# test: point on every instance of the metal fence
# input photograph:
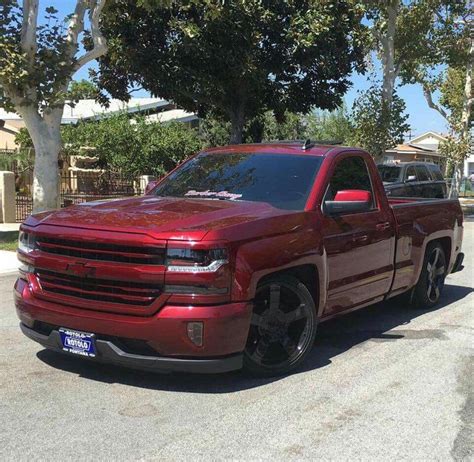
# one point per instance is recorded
(466, 188)
(24, 206)
(81, 186)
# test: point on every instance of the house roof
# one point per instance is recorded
(178, 115)
(419, 138)
(89, 109)
(8, 128)
(417, 146)
(409, 148)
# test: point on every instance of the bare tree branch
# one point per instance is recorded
(100, 44)
(76, 25)
(377, 34)
(28, 29)
(388, 56)
(432, 104)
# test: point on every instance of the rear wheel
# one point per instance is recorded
(282, 329)
(428, 290)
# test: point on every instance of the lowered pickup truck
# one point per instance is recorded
(231, 260)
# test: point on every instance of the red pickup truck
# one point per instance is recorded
(231, 260)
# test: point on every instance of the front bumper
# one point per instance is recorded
(164, 333)
(108, 352)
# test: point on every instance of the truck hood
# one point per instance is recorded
(160, 217)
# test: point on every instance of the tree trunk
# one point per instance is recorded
(388, 55)
(465, 125)
(46, 137)
(237, 120)
(456, 180)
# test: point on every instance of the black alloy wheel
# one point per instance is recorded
(282, 328)
(431, 283)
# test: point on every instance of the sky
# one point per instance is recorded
(421, 117)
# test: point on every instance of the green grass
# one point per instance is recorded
(9, 241)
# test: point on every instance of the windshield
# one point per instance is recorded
(281, 180)
(389, 173)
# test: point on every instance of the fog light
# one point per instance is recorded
(195, 330)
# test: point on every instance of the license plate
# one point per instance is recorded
(79, 343)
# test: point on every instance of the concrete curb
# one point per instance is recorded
(8, 262)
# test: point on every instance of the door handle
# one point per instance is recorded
(360, 239)
(383, 226)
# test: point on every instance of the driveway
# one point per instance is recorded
(385, 383)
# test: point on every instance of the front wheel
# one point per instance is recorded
(428, 290)
(282, 328)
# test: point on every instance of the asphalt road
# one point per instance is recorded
(385, 383)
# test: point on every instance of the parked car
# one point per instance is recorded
(413, 179)
(231, 261)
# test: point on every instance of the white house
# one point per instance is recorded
(422, 148)
(155, 109)
(469, 162)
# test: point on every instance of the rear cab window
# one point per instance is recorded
(389, 173)
(350, 173)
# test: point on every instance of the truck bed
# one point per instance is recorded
(419, 220)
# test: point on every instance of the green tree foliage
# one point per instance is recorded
(37, 62)
(292, 126)
(410, 36)
(448, 90)
(331, 126)
(82, 89)
(374, 129)
(23, 139)
(451, 87)
(236, 59)
(137, 148)
(215, 131)
(317, 125)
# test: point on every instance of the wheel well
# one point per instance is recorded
(307, 274)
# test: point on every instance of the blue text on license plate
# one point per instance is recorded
(80, 343)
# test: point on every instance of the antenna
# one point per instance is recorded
(307, 145)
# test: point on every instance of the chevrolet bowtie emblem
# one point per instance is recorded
(80, 270)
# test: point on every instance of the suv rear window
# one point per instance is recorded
(282, 180)
(389, 173)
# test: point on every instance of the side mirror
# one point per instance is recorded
(150, 186)
(411, 178)
(349, 201)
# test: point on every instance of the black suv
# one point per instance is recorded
(413, 179)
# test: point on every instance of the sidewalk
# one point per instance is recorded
(9, 227)
(8, 262)
(467, 205)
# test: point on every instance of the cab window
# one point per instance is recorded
(350, 173)
(435, 172)
(422, 173)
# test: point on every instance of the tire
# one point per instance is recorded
(282, 329)
(427, 291)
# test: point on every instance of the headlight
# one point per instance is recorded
(188, 260)
(26, 242)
